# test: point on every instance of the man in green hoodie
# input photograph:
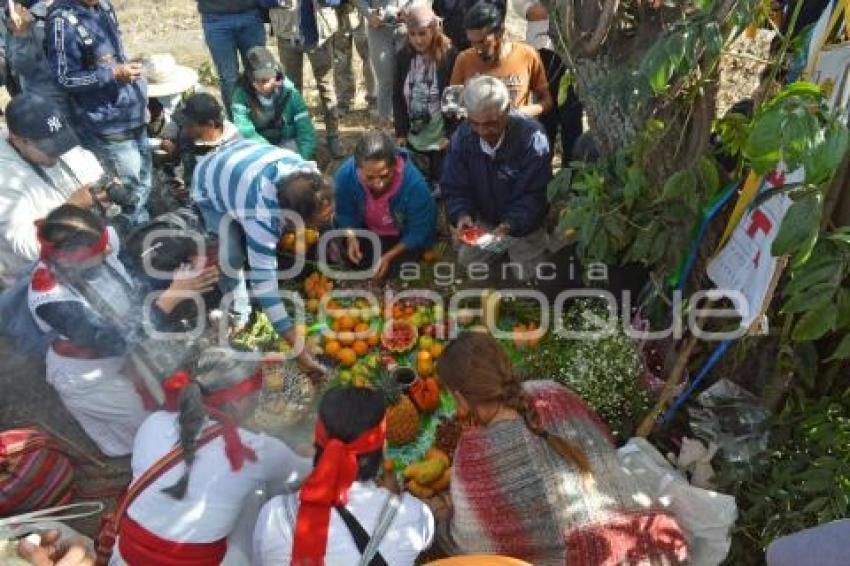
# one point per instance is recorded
(268, 107)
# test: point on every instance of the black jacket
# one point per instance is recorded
(404, 59)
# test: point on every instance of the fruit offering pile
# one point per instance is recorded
(430, 476)
(298, 242)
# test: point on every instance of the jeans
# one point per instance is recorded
(384, 43)
(131, 161)
(321, 60)
(231, 253)
(227, 34)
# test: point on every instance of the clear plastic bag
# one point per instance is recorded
(732, 418)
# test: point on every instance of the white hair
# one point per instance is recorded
(483, 93)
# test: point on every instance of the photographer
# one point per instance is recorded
(43, 167)
(424, 69)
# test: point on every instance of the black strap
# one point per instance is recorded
(359, 534)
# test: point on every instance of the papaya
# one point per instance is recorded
(420, 491)
(443, 482)
(437, 454)
(425, 472)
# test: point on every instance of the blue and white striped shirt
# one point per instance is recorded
(239, 179)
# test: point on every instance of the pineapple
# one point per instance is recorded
(402, 416)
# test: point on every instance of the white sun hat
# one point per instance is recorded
(167, 78)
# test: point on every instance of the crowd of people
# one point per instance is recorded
(128, 192)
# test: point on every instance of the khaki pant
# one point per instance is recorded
(526, 252)
(352, 32)
(321, 60)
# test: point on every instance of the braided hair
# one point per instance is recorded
(476, 366)
(216, 369)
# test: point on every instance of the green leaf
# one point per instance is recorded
(680, 184)
(763, 144)
(827, 154)
(816, 297)
(709, 177)
(815, 505)
(800, 222)
(559, 185)
(814, 324)
(810, 275)
(842, 352)
(805, 252)
(806, 362)
(843, 307)
(799, 89)
(634, 185)
(712, 37)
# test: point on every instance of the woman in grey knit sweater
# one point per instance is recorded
(535, 475)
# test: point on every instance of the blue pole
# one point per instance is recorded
(709, 365)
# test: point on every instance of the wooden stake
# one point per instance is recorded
(648, 422)
(73, 445)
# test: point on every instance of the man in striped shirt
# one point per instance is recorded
(248, 192)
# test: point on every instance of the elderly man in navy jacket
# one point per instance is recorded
(109, 94)
(495, 176)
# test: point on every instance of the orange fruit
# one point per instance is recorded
(332, 348)
(288, 241)
(336, 326)
(347, 357)
(360, 347)
(346, 322)
(425, 367)
(423, 356)
(436, 350)
(373, 340)
(346, 338)
(361, 328)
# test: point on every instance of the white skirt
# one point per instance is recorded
(100, 398)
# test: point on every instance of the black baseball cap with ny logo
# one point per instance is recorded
(40, 121)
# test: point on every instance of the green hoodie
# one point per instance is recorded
(287, 120)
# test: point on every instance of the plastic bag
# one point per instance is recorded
(707, 516)
(732, 418)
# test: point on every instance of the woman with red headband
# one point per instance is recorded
(79, 267)
(203, 508)
(341, 516)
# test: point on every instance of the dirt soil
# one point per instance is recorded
(174, 25)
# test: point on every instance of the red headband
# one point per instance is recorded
(49, 251)
(327, 486)
(236, 451)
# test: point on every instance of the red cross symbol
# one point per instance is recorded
(759, 221)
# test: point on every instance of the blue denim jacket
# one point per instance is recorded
(105, 106)
(27, 57)
(413, 207)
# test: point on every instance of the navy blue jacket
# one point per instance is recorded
(104, 106)
(508, 187)
(413, 207)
